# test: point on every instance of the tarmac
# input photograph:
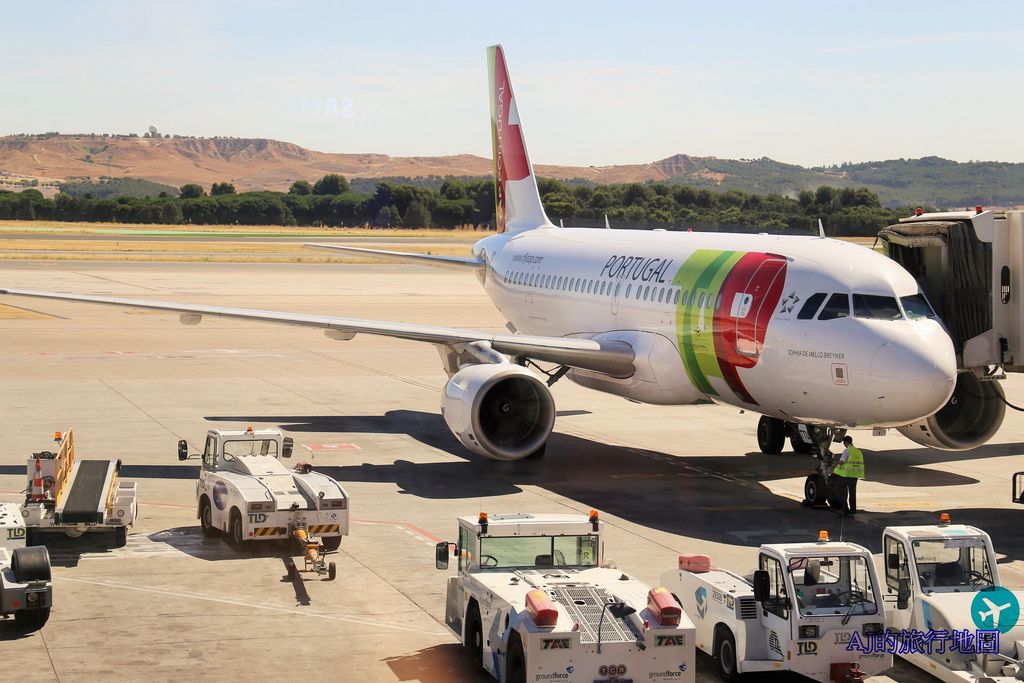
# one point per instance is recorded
(174, 605)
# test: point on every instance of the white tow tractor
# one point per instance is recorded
(245, 491)
(533, 601)
(944, 578)
(798, 612)
(25, 589)
(76, 496)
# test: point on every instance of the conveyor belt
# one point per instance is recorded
(85, 502)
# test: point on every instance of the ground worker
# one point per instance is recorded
(849, 468)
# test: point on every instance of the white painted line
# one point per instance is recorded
(242, 603)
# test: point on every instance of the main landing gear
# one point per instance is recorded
(819, 487)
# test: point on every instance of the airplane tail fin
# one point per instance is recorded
(516, 197)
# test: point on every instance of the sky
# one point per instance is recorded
(596, 83)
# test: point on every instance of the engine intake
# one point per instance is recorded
(501, 411)
(971, 417)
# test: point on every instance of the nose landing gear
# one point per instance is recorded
(820, 486)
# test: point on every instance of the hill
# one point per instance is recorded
(257, 164)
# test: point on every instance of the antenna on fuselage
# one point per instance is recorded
(607, 225)
(821, 229)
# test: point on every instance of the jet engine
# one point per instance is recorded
(970, 418)
(499, 410)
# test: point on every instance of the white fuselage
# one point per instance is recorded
(716, 316)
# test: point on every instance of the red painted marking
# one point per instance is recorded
(321, 447)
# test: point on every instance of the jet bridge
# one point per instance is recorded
(970, 265)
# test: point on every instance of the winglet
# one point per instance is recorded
(821, 229)
(517, 205)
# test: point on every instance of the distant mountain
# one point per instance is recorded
(256, 163)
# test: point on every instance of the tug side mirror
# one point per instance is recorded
(286, 447)
(183, 450)
(441, 555)
(761, 585)
(903, 594)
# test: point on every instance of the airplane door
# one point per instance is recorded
(752, 308)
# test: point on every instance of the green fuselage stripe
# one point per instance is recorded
(704, 271)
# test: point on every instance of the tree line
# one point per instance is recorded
(331, 202)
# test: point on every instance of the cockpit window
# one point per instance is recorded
(876, 307)
(838, 306)
(917, 306)
(811, 306)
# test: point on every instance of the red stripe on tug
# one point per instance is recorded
(541, 608)
(664, 607)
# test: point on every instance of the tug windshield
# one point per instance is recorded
(836, 585)
(953, 564)
(234, 449)
(538, 551)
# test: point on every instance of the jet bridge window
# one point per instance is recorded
(811, 306)
(838, 306)
(876, 307)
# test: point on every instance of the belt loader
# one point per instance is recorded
(798, 612)
(533, 601)
(76, 496)
(246, 492)
(25, 589)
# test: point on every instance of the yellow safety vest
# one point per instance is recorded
(854, 465)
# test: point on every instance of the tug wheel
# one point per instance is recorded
(27, 620)
(31, 564)
(474, 634)
(120, 536)
(237, 534)
(332, 571)
(206, 518)
(515, 664)
(725, 655)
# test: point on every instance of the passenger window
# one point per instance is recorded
(617, 287)
(661, 295)
(811, 306)
(718, 301)
(675, 296)
(647, 293)
(628, 287)
(685, 294)
(838, 306)
(603, 283)
(590, 286)
(700, 302)
(876, 307)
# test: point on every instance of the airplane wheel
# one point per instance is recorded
(814, 491)
(800, 446)
(332, 571)
(771, 435)
(832, 490)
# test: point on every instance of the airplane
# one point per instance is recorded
(993, 611)
(816, 335)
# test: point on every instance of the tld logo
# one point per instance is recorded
(15, 533)
(556, 644)
(807, 648)
(257, 517)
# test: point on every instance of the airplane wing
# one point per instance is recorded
(612, 357)
(428, 259)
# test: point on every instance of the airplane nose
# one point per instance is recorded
(912, 377)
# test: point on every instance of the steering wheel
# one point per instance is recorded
(977, 578)
(926, 578)
(488, 561)
(853, 597)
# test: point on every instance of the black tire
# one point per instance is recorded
(771, 435)
(206, 518)
(725, 655)
(832, 491)
(120, 536)
(28, 620)
(331, 543)
(539, 453)
(474, 640)
(237, 535)
(33, 537)
(814, 490)
(31, 564)
(332, 571)
(800, 446)
(515, 661)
